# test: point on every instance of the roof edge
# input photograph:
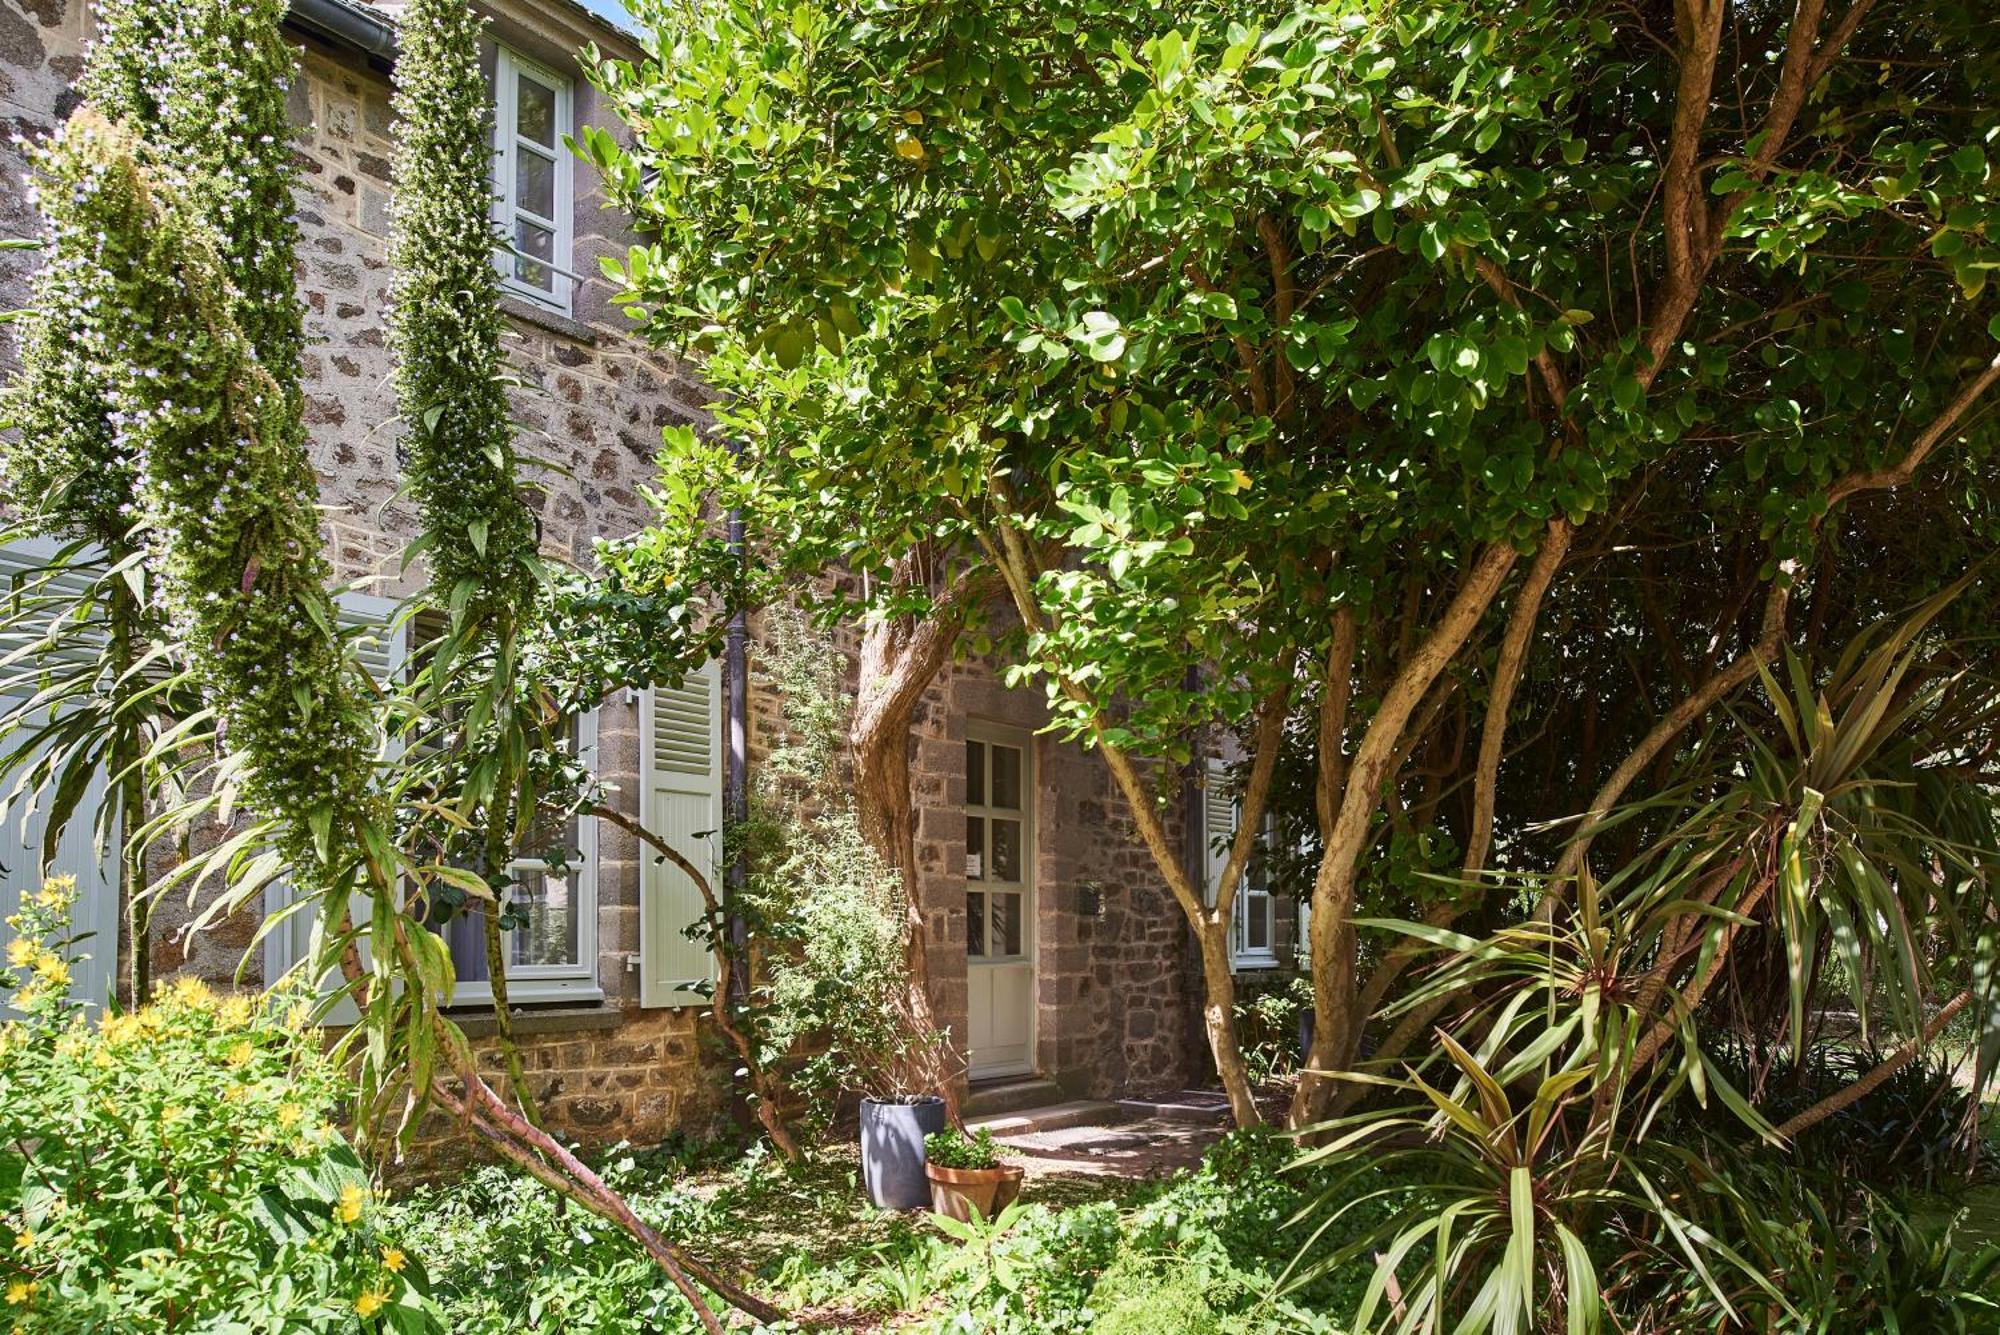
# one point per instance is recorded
(346, 24)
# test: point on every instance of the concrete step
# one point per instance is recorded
(1050, 1117)
(989, 1098)
(1180, 1105)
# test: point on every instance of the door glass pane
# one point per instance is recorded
(535, 183)
(534, 243)
(975, 848)
(1007, 777)
(1006, 851)
(1007, 924)
(975, 923)
(975, 773)
(536, 119)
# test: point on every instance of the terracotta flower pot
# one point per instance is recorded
(957, 1192)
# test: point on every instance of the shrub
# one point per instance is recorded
(511, 1256)
(178, 1167)
(951, 1148)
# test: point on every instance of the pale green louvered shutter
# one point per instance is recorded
(78, 852)
(1218, 821)
(680, 788)
(380, 643)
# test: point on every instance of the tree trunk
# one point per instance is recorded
(1218, 1020)
(900, 658)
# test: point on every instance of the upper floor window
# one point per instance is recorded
(532, 113)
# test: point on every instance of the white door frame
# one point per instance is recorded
(1012, 967)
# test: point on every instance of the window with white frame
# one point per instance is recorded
(548, 912)
(1253, 928)
(532, 180)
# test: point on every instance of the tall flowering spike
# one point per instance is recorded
(445, 322)
(201, 84)
(223, 488)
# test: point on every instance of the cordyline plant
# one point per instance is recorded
(225, 502)
(1325, 358)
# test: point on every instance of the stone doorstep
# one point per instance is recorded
(990, 1098)
(1052, 1117)
(1180, 1105)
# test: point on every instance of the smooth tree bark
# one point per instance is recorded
(900, 658)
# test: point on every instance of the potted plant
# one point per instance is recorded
(966, 1174)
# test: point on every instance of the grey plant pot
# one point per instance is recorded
(892, 1150)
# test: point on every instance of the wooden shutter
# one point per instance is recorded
(79, 852)
(381, 643)
(1218, 821)
(680, 788)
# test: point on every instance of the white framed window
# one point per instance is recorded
(551, 947)
(552, 956)
(533, 180)
(1253, 927)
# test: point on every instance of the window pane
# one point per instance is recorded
(975, 923)
(536, 119)
(1007, 924)
(465, 934)
(1007, 777)
(549, 903)
(534, 243)
(975, 848)
(975, 774)
(1257, 934)
(1006, 851)
(535, 183)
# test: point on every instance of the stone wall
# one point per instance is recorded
(1112, 997)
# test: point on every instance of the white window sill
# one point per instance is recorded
(530, 992)
(1252, 963)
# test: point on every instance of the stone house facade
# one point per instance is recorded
(1056, 950)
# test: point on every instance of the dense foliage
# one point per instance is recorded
(1234, 341)
(178, 1167)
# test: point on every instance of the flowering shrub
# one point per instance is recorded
(177, 1167)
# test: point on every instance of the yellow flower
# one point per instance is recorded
(393, 1258)
(27, 995)
(118, 1028)
(371, 1301)
(352, 1198)
(193, 992)
(53, 970)
(24, 1239)
(21, 952)
(235, 1012)
(241, 1054)
(288, 1115)
(20, 1291)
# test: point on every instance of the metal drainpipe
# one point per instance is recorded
(736, 656)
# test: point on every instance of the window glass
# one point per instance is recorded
(975, 923)
(1006, 851)
(1007, 777)
(535, 242)
(535, 184)
(1007, 924)
(975, 848)
(535, 118)
(1257, 934)
(975, 773)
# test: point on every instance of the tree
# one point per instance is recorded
(1229, 338)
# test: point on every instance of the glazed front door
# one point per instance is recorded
(999, 902)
